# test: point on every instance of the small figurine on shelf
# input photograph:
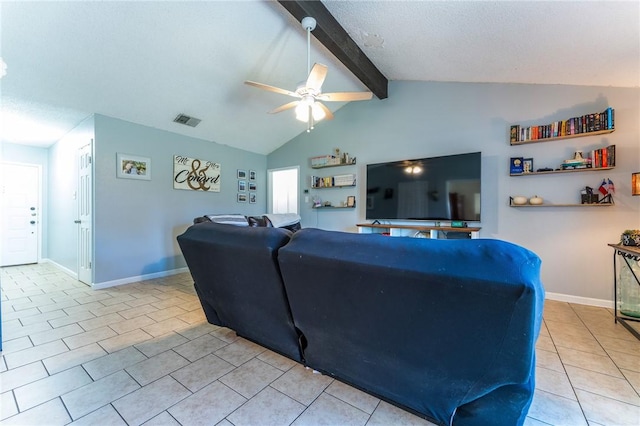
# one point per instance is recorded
(317, 202)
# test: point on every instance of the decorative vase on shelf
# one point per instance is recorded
(535, 200)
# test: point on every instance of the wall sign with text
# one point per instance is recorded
(195, 175)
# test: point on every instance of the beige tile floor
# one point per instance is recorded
(143, 353)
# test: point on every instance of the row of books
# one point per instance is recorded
(604, 157)
(595, 122)
(333, 181)
(599, 158)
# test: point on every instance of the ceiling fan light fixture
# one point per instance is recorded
(308, 108)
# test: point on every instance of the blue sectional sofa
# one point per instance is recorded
(445, 329)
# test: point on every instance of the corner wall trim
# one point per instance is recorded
(135, 279)
(59, 266)
(602, 303)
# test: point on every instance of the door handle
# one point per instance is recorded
(33, 222)
(76, 221)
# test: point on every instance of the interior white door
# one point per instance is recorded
(20, 209)
(84, 220)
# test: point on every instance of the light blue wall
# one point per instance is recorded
(13, 153)
(63, 187)
(422, 119)
(137, 221)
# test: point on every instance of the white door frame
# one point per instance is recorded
(40, 214)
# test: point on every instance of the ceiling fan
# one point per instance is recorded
(309, 108)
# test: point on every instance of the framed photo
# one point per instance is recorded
(133, 167)
(253, 186)
(242, 174)
(252, 197)
(527, 165)
(351, 201)
(252, 175)
(242, 198)
(516, 167)
(242, 185)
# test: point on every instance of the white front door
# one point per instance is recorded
(20, 211)
(84, 220)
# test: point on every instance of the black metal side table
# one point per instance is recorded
(627, 253)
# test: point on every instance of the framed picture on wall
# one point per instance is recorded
(242, 198)
(133, 167)
(252, 197)
(253, 186)
(252, 175)
(242, 185)
(242, 174)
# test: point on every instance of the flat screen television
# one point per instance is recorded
(434, 189)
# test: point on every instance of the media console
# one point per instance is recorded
(424, 231)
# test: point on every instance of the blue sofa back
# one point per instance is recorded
(237, 278)
(444, 328)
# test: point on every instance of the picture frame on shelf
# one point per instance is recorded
(527, 165)
(242, 174)
(351, 201)
(242, 186)
(516, 167)
(130, 166)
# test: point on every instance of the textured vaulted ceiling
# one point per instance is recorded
(145, 62)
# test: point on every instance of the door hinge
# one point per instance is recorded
(89, 265)
(90, 160)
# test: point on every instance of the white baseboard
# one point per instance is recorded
(62, 268)
(580, 300)
(129, 280)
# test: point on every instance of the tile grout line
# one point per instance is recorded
(564, 369)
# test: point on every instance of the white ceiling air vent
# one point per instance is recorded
(185, 119)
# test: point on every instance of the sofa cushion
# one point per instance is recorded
(228, 219)
(256, 221)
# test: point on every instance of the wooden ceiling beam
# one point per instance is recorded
(331, 34)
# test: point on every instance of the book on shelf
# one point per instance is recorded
(516, 166)
(587, 123)
(604, 157)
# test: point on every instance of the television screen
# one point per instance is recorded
(436, 188)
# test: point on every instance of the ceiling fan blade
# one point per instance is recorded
(284, 107)
(272, 88)
(316, 77)
(345, 96)
(329, 114)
